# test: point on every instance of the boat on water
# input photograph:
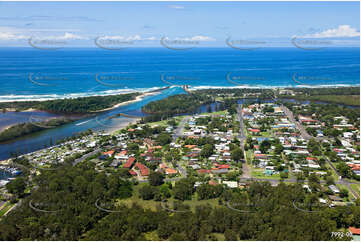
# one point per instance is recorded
(13, 171)
(82, 123)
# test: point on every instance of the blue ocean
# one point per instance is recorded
(34, 74)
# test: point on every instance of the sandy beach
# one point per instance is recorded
(138, 98)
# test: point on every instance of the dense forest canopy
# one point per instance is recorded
(79, 203)
(72, 105)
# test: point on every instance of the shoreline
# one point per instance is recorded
(157, 89)
(110, 131)
(137, 99)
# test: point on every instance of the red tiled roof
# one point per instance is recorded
(308, 120)
(259, 155)
(110, 152)
(203, 171)
(310, 158)
(213, 183)
(123, 152)
(354, 230)
(171, 171)
(144, 171)
(133, 173)
(225, 166)
(254, 130)
(129, 162)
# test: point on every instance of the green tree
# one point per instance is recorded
(156, 178)
(147, 192)
(207, 150)
(17, 186)
(230, 235)
(184, 189)
(164, 139)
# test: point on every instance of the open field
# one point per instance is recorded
(152, 204)
(258, 173)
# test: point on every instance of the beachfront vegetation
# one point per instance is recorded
(176, 104)
(340, 95)
(22, 129)
(71, 105)
(186, 104)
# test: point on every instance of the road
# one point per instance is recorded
(246, 172)
(179, 131)
(182, 171)
(241, 135)
(300, 127)
(306, 136)
(86, 156)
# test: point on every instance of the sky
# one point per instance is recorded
(177, 24)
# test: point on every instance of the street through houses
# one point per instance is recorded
(179, 131)
(300, 127)
(306, 136)
(246, 172)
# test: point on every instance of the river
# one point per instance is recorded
(101, 121)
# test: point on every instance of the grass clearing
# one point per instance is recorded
(152, 204)
(5, 208)
(258, 173)
(356, 187)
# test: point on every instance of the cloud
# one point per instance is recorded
(67, 36)
(340, 31)
(127, 38)
(197, 38)
(11, 36)
(175, 7)
(8, 34)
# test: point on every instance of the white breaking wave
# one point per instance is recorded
(45, 97)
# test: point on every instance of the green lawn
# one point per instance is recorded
(5, 208)
(164, 122)
(249, 156)
(258, 173)
(341, 186)
(356, 187)
(217, 113)
(334, 175)
(151, 204)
